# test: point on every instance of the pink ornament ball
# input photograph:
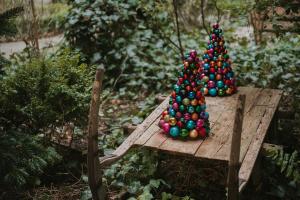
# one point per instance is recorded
(187, 116)
(211, 84)
(161, 123)
(200, 123)
(166, 127)
(202, 132)
(175, 106)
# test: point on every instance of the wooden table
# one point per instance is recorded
(260, 107)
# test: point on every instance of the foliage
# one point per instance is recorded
(52, 17)
(133, 39)
(46, 91)
(38, 93)
(23, 159)
(133, 172)
(288, 163)
(7, 27)
(275, 65)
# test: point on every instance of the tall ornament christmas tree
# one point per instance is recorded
(217, 75)
(186, 116)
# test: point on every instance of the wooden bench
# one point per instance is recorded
(259, 109)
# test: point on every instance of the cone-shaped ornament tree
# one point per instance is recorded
(217, 75)
(186, 116)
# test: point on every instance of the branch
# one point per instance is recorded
(177, 26)
(203, 17)
(218, 11)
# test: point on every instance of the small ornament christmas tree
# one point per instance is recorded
(217, 75)
(186, 117)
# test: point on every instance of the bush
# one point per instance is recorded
(45, 92)
(38, 93)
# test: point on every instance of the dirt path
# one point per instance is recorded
(9, 48)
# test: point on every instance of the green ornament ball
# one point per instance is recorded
(186, 101)
(184, 133)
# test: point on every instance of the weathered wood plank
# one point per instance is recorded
(93, 164)
(127, 144)
(252, 120)
(233, 165)
(254, 149)
(148, 133)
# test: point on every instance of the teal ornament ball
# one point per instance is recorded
(190, 124)
(212, 92)
(211, 77)
(191, 95)
(174, 131)
(172, 112)
(176, 88)
(178, 99)
(191, 109)
(220, 84)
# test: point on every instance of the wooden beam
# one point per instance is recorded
(94, 172)
(233, 173)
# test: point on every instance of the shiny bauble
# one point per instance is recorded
(202, 132)
(166, 127)
(181, 108)
(188, 88)
(220, 84)
(195, 116)
(176, 88)
(229, 91)
(167, 118)
(182, 92)
(194, 102)
(190, 124)
(187, 116)
(178, 99)
(212, 70)
(178, 115)
(212, 63)
(206, 66)
(205, 79)
(184, 133)
(212, 92)
(186, 101)
(164, 113)
(191, 109)
(206, 115)
(193, 134)
(203, 106)
(193, 53)
(226, 56)
(221, 92)
(161, 123)
(211, 84)
(172, 112)
(191, 95)
(218, 76)
(199, 123)
(204, 90)
(175, 106)
(198, 109)
(174, 131)
(172, 121)
(211, 77)
(198, 94)
(179, 124)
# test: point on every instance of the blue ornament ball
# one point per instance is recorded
(206, 66)
(191, 95)
(212, 92)
(172, 112)
(211, 77)
(174, 131)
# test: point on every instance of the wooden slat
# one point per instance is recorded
(254, 149)
(233, 166)
(124, 147)
(148, 133)
(252, 120)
